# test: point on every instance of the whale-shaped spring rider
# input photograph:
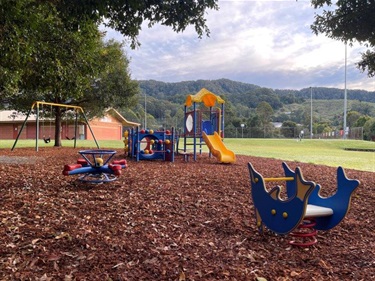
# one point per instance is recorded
(283, 216)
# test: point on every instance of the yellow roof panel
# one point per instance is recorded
(205, 96)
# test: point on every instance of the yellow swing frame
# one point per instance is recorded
(37, 105)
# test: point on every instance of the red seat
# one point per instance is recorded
(116, 168)
(82, 161)
(120, 162)
(70, 167)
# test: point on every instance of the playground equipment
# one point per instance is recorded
(149, 144)
(211, 131)
(304, 209)
(218, 149)
(95, 166)
(45, 138)
(127, 143)
(39, 105)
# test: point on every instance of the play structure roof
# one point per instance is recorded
(205, 96)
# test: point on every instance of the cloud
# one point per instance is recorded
(268, 43)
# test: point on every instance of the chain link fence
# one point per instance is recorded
(291, 132)
(355, 133)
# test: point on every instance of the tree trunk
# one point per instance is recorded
(57, 126)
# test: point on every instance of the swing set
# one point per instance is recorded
(43, 117)
(67, 125)
(41, 114)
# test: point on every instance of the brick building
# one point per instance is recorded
(109, 127)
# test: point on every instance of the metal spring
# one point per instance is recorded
(306, 232)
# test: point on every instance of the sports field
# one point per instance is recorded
(350, 154)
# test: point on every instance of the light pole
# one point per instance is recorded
(345, 93)
(145, 113)
(311, 114)
(242, 126)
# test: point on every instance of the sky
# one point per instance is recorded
(264, 42)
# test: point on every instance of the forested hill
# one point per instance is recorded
(321, 93)
(233, 90)
(220, 86)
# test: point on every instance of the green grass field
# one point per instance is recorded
(323, 152)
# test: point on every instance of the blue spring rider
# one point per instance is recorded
(304, 211)
(95, 166)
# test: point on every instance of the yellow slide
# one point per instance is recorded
(218, 149)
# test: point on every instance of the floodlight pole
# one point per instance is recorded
(145, 113)
(345, 92)
(311, 114)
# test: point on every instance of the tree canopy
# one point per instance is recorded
(41, 59)
(349, 21)
(53, 51)
(24, 24)
(127, 16)
(113, 86)
(264, 111)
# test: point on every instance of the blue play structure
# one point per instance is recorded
(150, 144)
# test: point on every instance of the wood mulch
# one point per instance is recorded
(166, 221)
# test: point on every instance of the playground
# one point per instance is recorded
(162, 220)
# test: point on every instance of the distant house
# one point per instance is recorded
(108, 127)
(277, 124)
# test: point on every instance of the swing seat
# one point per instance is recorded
(47, 140)
(73, 138)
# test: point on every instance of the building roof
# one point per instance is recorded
(121, 118)
(9, 116)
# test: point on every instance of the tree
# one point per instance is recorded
(282, 117)
(351, 20)
(57, 64)
(269, 96)
(298, 115)
(70, 67)
(361, 121)
(288, 129)
(39, 56)
(23, 22)
(21, 25)
(254, 124)
(112, 87)
(289, 98)
(364, 108)
(265, 112)
(321, 127)
(369, 129)
(179, 117)
(352, 117)
(127, 16)
(51, 50)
